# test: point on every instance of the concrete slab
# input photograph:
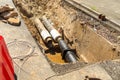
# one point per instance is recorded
(21, 45)
(95, 71)
(113, 68)
(75, 75)
(108, 7)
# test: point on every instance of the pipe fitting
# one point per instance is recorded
(67, 54)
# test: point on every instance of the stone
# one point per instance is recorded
(6, 8)
(8, 14)
(5, 21)
(14, 21)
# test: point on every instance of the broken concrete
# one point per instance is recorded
(14, 21)
(94, 72)
(6, 8)
(7, 15)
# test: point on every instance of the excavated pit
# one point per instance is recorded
(92, 41)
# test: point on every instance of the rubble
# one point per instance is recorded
(14, 21)
(6, 8)
(9, 15)
(4, 21)
(24, 9)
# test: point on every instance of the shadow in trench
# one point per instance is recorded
(94, 79)
(89, 78)
(53, 50)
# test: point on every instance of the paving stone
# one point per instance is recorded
(93, 72)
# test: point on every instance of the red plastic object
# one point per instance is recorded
(6, 65)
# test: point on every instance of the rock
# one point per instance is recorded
(8, 14)
(6, 8)
(5, 21)
(25, 10)
(118, 38)
(14, 21)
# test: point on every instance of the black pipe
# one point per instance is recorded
(67, 54)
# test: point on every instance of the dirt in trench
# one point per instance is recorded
(39, 8)
(67, 17)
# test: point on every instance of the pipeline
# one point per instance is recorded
(54, 33)
(67, 54)
(43, 32)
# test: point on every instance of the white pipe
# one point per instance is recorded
(55, 34)
(45, 35)
(43, 32)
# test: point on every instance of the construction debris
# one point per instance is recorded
(4, 21)
(6, 8)
(14, 21)
(9, 15)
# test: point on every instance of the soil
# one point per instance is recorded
(66, 17)
(30, 9)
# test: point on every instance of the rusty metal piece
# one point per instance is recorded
(6, 8)
(102, 17)
(11, 14)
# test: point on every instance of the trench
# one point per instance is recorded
(92, 41)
